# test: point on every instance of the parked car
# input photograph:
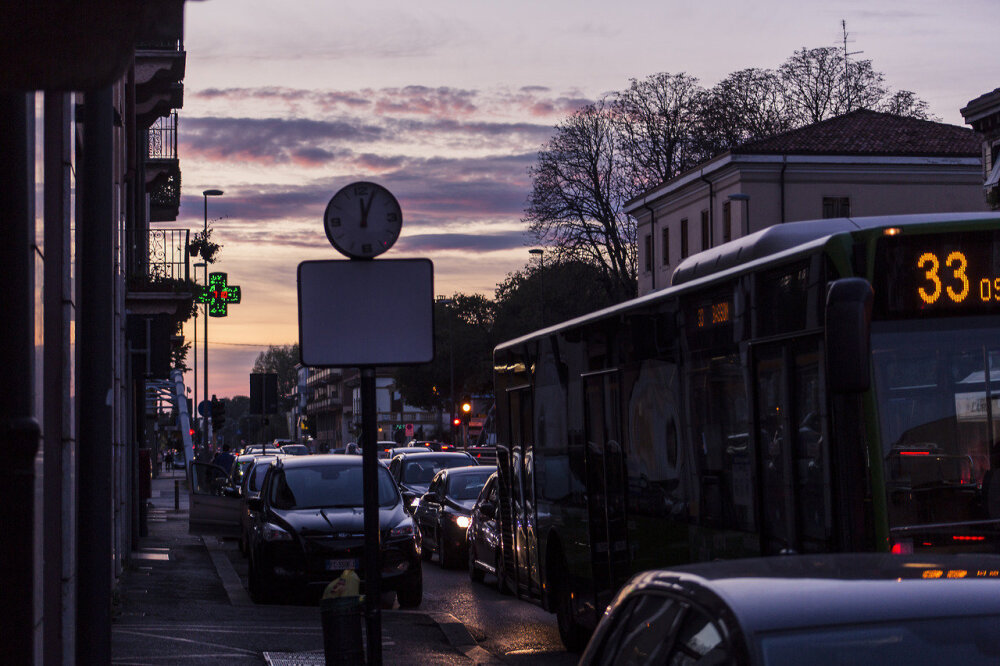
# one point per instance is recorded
(871, 608)
(260, 449)
(442, 515)
(295, 449)
(414, 471)
(483, 536)
(308, 528)
(250, 486)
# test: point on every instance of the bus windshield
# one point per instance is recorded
(938, 392)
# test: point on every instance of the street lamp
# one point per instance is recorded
(451, 358)
(194, 416)
(739, 196)
(208, 419)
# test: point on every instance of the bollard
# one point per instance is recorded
(177, 495)
(342, 637)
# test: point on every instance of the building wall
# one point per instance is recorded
(882, 186)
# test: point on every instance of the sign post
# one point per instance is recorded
(363, 220)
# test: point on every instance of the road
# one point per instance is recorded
(514, 630)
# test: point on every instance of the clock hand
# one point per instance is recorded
(365, 209)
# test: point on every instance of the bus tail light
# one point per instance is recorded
(903, 547)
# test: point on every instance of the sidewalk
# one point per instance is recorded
(182, 600)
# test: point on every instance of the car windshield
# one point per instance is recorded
(257, 476)
(969, 641)
(327, 486)
(939, 409)
(422, 468)
(467, 486)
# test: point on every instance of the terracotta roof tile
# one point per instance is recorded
(865, 132)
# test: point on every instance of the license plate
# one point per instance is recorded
(339, 565)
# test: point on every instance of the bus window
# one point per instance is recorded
(719, 429)
(939, 408)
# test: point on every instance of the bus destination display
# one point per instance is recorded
(937, 275)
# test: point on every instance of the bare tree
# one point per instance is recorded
(657, 120)
(575, 206)
(906, 103)
(746, 105)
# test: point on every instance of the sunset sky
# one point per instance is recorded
(446, 104)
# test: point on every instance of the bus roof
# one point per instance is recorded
(781, 237)
(769, 242)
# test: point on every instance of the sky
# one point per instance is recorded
(447, 103)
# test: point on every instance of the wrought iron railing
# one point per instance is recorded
(161, 139)
(168, 255)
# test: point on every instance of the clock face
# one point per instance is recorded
(363, 220)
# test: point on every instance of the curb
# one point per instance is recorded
(459, 638)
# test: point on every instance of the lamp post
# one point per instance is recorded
(194, 416)
(745, 198)
(451, 363)
(208, 419)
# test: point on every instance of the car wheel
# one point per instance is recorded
(411, 595)
(475, 573)
(574, 635)
(501, 573)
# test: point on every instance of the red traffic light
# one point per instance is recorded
(191, 432)
(456, 421)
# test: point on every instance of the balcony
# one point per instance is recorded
(159, 282)
(163, 173)
(160, 62)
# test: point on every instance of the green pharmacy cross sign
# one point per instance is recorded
(218, 295)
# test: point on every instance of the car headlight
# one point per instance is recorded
(405, 528)
(462, 521)
(274, 533)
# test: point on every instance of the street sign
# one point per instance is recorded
(205, 408)
(343, 306)
(409, 430)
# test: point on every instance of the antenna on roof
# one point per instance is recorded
(847, 74)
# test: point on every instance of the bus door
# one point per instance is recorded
(792, 452)
(526, 570)
(605, 485)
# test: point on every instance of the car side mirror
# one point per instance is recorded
(255, 504)
(488, 509)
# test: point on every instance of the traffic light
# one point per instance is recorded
(218, 412)
(466, 410)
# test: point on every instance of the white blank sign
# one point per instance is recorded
(366, 313)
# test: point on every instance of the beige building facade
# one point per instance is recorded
(864, 163)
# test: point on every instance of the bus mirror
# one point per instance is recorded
(848, 335)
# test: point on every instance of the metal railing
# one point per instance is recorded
(168, 256)
(161, 138)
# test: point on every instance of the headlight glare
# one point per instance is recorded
(462, 521)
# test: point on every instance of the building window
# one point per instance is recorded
(684, 238)
(706, 238)
(836, 207)
(727, 222)
(649, 252)
(665, 245)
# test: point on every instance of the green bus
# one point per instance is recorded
(814, 387)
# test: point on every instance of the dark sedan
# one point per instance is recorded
(442, 513)
(809, 609)
(309, 528)
(414, 471)
(484, 536)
